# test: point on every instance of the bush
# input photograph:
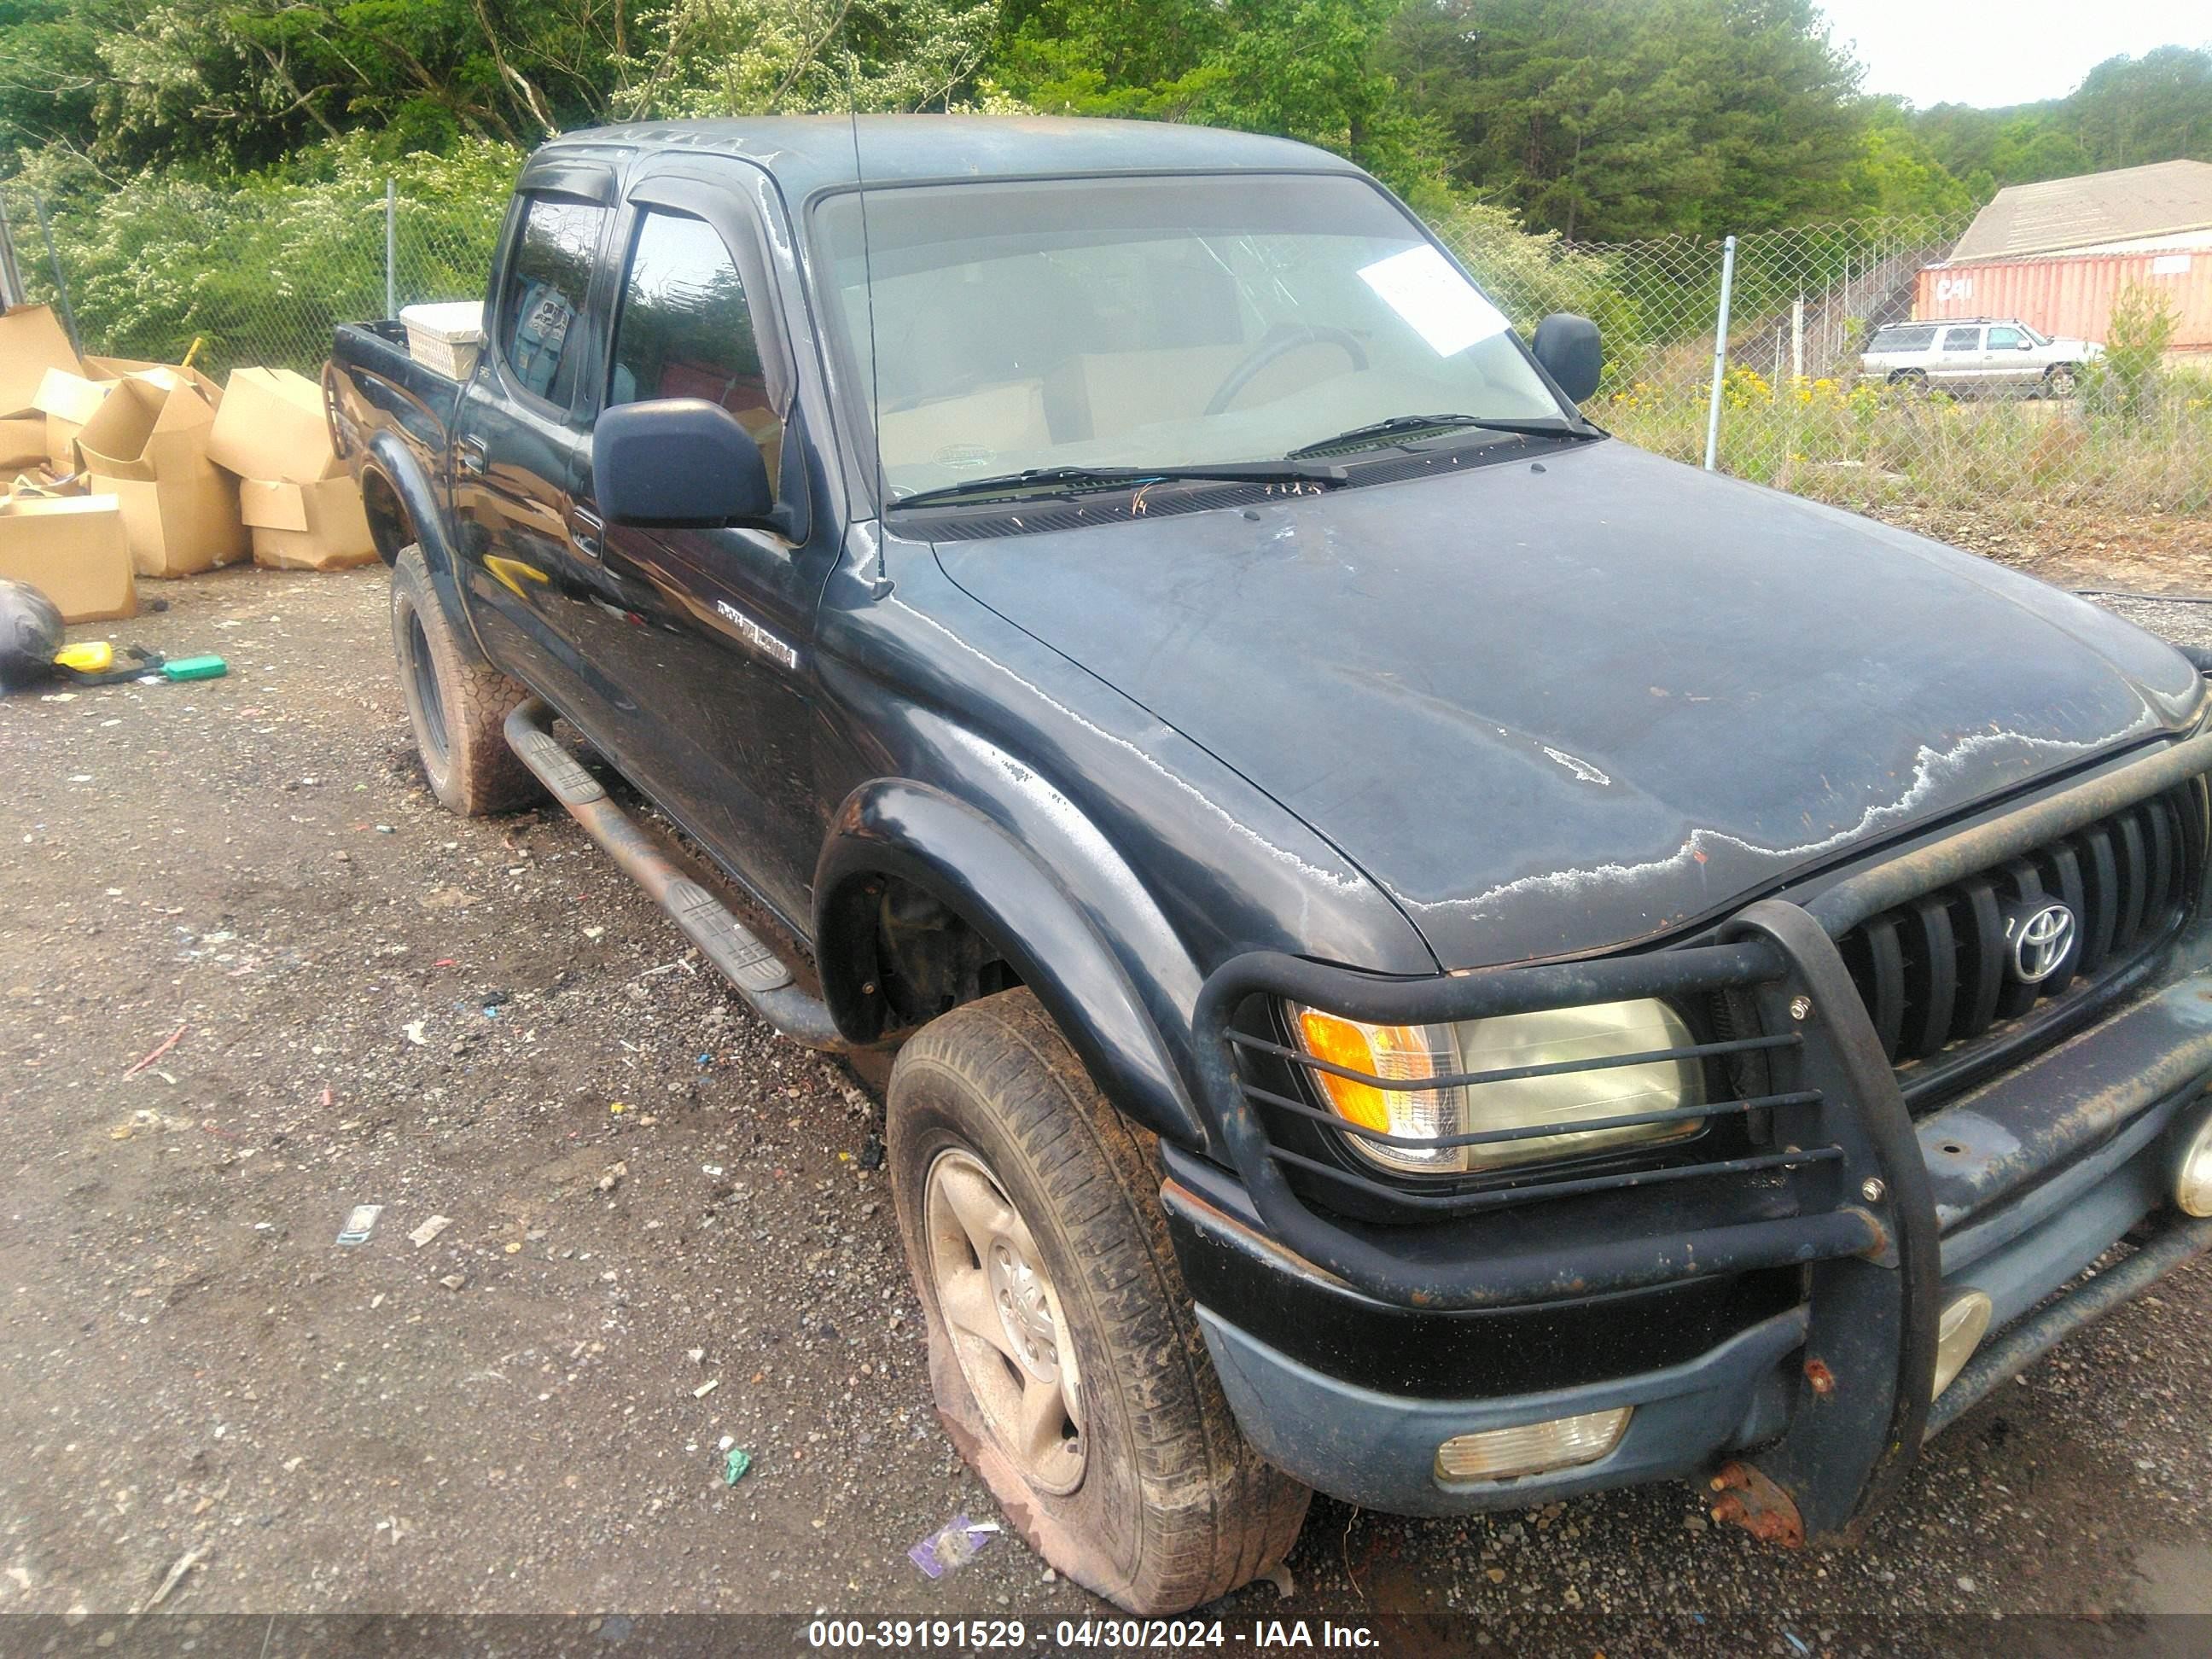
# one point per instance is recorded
(2126, 381)
(260, 271)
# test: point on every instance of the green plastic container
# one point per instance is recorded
(195, 668)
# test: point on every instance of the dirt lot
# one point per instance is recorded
(664, 1239)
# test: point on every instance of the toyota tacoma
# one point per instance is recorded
(1421, 951)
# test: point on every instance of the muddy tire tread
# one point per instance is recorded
(1217, 1515)
(483, 775)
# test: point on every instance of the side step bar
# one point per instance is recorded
(757, 971)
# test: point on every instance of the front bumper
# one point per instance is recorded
(1878, 1220)
(1376, 1446)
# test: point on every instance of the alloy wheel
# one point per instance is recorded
(1004, 1321)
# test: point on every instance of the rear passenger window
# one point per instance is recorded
(1962, 339)
(686, 329)
(1902, 337)
(546, 284)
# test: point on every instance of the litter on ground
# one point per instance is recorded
(954, 1545)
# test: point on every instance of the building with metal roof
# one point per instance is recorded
(2166, 205)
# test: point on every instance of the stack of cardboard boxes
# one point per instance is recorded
(70, 546)
(293, 494)
(125, 469)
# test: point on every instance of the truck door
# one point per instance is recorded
(517, 446)
(718, 656)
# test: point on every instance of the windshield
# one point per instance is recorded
(2034, 334)
(1153, 322)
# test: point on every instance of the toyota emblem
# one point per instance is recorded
(2042, 940)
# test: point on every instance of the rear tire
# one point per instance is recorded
(457, 706)
(1132, 1479)
(1913, 382)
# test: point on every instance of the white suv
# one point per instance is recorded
(1999, 356)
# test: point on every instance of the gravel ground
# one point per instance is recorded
(664, 1238)
(2185, 621)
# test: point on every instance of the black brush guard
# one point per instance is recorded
(1855, 1211)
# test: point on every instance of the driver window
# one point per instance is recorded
(686, 329)
(2006, 339)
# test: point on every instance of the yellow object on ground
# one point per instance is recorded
(93, 657)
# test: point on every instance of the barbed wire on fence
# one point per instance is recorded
(264, 277)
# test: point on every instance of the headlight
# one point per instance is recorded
(1600, 1030)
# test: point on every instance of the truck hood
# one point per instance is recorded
(1556, 705)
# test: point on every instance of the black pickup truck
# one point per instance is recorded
(1430, 954)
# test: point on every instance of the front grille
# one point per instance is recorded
(1936, 974)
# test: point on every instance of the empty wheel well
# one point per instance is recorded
(905, 957)
(389, 527)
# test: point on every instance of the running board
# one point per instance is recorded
(748, 963)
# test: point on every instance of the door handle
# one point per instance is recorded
(471, 454)
(588, 530)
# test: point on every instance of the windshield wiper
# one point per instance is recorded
(1289, 470)
(1544, 425)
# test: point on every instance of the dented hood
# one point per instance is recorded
(1550, 707)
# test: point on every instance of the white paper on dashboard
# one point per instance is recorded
(1440, 305)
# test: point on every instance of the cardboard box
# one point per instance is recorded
(146, 445)
(306, 526)
(177, 527)
(72, 549)
(272, 425)
(31, 342)
(68, 397)
(66, 402)
(22, 442)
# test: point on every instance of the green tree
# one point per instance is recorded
(2126, 112)
(2157, 107)
(1311, 70)
(1605, 119)
(1896, 174)
(2128, 379)
(773, 56)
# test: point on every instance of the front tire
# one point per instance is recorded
(2059, 381)
(457, 706)
(1064, 1354)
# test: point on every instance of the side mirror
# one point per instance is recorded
(2023, 345)
(678, 462)
(1566, 345)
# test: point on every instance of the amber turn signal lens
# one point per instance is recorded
(1358, 1047)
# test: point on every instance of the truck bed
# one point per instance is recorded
(376, 386)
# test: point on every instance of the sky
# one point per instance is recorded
(2004, 52)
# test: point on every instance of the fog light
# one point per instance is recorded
(1959, 1332)
(1531, 1448)
(2192, 1186)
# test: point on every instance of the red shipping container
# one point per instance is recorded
(2073, 295)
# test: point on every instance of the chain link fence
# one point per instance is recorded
(246, 278)
(263, 276)
(1799, 406)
